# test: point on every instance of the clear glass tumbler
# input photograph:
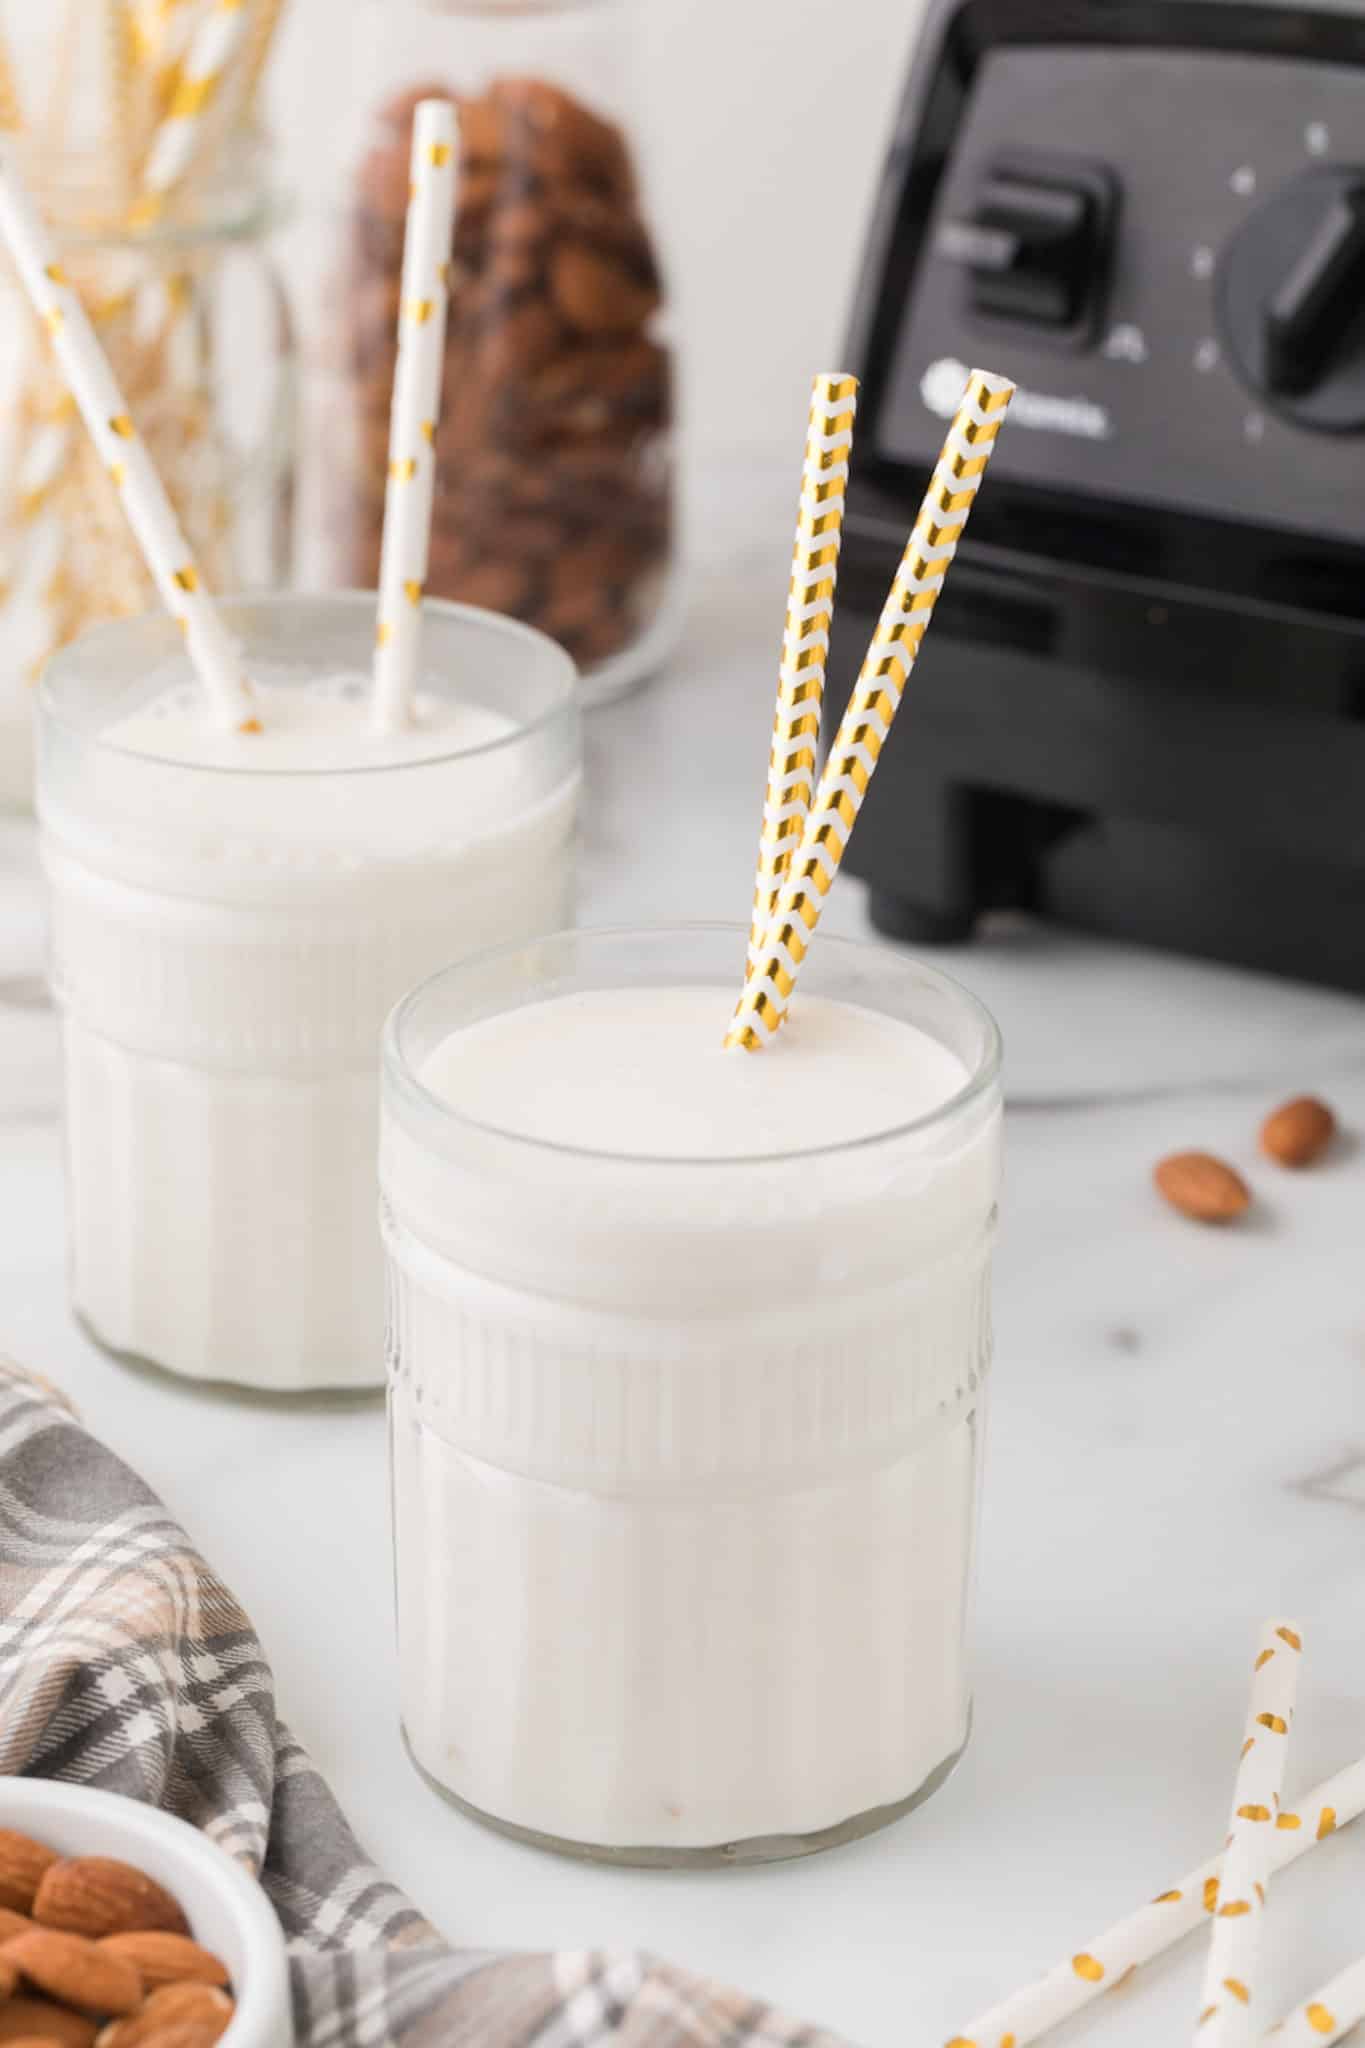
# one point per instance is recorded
(225, 945)
(685, 1452)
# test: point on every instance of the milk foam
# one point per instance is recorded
(643, 1073)
(308, 723)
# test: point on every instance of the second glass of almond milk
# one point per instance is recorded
(688, 1353)
(233, 914)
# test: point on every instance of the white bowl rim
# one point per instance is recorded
(263, 2002)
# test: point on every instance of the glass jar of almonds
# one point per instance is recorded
(554, 489)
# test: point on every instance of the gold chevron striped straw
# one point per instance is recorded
(416, 410)
(213, 46)
(1229, 2008)
(873, 705)
(805, 644)
(212, 649)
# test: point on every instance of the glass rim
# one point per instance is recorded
(565, 705)
(398, 1071)
(244, 204)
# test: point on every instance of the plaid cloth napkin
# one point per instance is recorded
(126, 1663)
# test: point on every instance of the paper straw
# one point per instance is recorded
(872, 707)
(805, 644)
(1108, 1959)
(212, 649)
(264, 24)
(123, 85)
(1328, 2015)
(212, 48)
(11, 106)
(1228, 2008)
(415, 411)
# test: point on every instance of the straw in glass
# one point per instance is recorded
(265, 23)
(11, 106)
(214, 44)
(212, 649)
(1109, 1959)
(872, 707)
(1328, 2015)
(123, 90)
(415, 413)
(1228, 2007)
(793, 759)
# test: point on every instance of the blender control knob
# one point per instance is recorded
(1291, 296)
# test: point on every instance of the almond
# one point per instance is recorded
(202, 2005)
(97, 1895)
(12, 1924)
(23, 2019)
(34, 2041)
(1202, 1187)
(185, 2034)
(9, 1977)
(166, 1958)
(1298, 1132)
(74, 1971)
(22, 1863)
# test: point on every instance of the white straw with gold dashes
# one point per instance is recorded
(794, 756)
(212, 649)
(875, 700)
(265, 24)
(1229, 2015)
(213, 46)
(416, 410)
(11, 106)
(1328, 2015)
(1109, 1959)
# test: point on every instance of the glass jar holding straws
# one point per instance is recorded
(554, 493)
(161, 214)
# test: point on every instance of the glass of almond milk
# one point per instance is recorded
(233, 914)
(687, 1377)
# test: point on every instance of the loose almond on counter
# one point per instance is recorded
(22, 1864)
(1298, 1132)
(203, 2006)
(1202, 1187)
(75, 1971)
(26, 2019)
(162, 1958)
(98, 1895)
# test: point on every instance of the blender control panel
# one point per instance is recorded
(1166, 250)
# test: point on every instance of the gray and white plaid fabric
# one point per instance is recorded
(126, 1663)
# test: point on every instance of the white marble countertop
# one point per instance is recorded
(1177, 1448)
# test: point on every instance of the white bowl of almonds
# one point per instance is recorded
(122, 1926)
